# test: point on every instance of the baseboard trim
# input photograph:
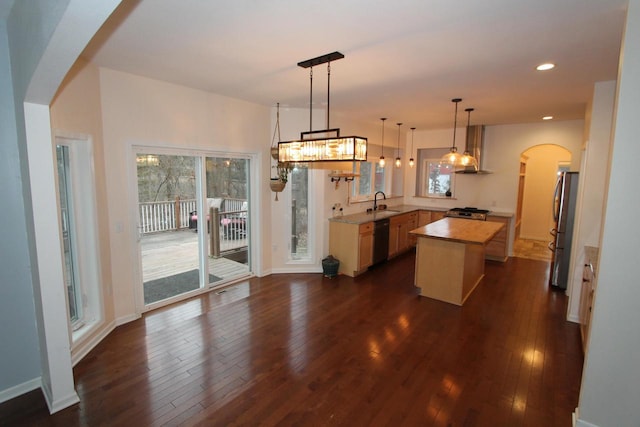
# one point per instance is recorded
(289, 270)
(126, 319)
(573, 318)
(20, 389)
(59, 404)
(78, 353)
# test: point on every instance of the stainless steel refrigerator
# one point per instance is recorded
(564, 209)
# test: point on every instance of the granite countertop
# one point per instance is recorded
(460, 230)
(364, 217)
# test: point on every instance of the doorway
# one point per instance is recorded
(193, 222)
(534, 211)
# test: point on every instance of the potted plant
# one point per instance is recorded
(278, 182)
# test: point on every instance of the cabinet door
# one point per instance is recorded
(424, 218)
(365, 249)
(403, 236)
(393, 237)
(586, 302)
(412, 224)
(437, 215)
(496, 249)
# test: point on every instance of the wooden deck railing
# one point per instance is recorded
(174, 215)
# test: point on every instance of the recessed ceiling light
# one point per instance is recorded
(545, 67)
(547, 118)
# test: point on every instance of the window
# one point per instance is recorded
(372, 178)
(438, 179)
(434, 179)
(69, 238)
(78, 226)
(299, 181)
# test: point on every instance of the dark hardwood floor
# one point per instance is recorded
(300, 349)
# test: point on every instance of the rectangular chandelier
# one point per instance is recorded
(338, 148)
(319, 145)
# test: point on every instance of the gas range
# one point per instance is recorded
(468, 213)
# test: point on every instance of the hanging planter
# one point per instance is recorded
(277, 185)
(278, 182)
(274, 153)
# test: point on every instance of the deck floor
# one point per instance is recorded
(171, 252)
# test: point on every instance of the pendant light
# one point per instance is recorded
(381, 161)
(398, 161)
(467, 160)
(453, 157)
(411, 162)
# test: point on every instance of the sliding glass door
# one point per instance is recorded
(193, 223)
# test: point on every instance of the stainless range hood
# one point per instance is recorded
(475, 146)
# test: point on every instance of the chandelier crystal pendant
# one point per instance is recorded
(398, 161)
(317, 146)
(467, 160)
(381, 162)
(411, 161)
(453, 157)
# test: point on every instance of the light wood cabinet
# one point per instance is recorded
(498, 248)
(399, 238)
(586, 303)
(365, 246)
(412, 224)
(437, 215)
(352, 245)
(424, 218)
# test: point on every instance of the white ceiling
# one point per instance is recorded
(404, 59)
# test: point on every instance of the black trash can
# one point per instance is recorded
(330, 266)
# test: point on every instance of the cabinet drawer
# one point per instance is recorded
(364, 228)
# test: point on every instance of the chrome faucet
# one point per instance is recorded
(375, 199)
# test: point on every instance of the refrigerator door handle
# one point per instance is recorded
(556, 199)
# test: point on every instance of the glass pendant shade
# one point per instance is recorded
(467, 160)
(453, 157)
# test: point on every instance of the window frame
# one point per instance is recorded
(356, 196)
(425, 190)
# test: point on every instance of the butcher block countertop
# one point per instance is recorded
(460, 230)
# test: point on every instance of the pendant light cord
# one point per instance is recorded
(455, 120)
(328, 92)
(310, 99)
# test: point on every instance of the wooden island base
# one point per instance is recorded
(448, 271)
(450, 257)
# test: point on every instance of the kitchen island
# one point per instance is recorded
(450, 257)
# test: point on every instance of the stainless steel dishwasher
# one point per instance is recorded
(380, 240)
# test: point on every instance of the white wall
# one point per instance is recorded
(611, 374)
(142, 111)
(76, 112)
(20, 349)
(44, 39)
(593, 187)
